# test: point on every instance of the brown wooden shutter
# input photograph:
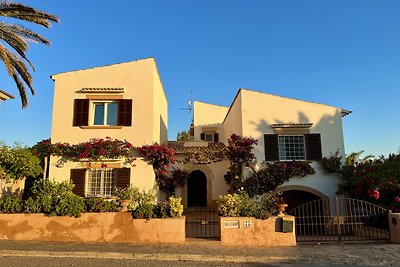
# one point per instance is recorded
(125, 112)
(313, 146)
(271, 147)
(216, 137)
(81, 112)
(122, 177)
(203, 136)
(78, 179)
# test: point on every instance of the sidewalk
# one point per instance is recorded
(212, 251)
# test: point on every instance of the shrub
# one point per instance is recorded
(271, 175)
(229, 205)
(124, 192)
(171, 208)
(31, 206)
(100, 205)
(56, 199)
(11, 204)
(142, 197)
(242, 205)
(162, 209)
(333, 163)
(18, 163)
(144, 211)
(175, 207)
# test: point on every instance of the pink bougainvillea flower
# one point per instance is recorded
(397, 199)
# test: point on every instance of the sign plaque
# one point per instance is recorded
(231, 224)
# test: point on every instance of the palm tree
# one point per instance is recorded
(354, 158)
(16, 37)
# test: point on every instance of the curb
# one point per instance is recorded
(146, 256)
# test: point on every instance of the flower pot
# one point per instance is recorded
(281, 209)
(124, 203)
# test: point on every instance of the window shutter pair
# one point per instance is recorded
(312, 142)
(81, 112)
(78, 178)
(203, 137)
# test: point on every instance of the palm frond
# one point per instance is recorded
(27, 13)
(27, 34)
(15, 41)
(17, 37)
(4, 56)
(21, 89)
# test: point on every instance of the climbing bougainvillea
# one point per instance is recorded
(374, 180)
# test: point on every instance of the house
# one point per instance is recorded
(127, 101)
(123, 101)
(286, 129)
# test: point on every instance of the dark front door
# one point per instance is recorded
(197, 189)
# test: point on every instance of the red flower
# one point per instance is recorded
(373, 193)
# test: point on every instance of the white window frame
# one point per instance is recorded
(105, 102)
(101, 189)
(292, 152)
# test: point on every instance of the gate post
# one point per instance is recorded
(339, 231)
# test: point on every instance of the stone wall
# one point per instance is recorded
(118, 227)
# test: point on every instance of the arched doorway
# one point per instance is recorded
(197, 189)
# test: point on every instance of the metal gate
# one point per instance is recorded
(340, 220)
(201, 222)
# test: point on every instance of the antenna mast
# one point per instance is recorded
(190, 105)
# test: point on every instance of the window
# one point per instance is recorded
(209, 137)
(105, 113)
(291, 147)
(101, 182)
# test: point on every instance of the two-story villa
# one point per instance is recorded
(127, 101)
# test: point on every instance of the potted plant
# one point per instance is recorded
(124, 196)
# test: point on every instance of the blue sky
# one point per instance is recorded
(344, 53)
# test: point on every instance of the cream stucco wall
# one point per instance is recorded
(137, 80)
(141, 83)
(208, 117)
(260, 110)
(160, 105)
(233, 122)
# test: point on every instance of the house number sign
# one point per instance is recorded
(232, 224)
(247, 224)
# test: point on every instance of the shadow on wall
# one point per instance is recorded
(163, 131)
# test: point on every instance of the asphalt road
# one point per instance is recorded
(12, 261)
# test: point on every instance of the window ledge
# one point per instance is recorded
(101, 127)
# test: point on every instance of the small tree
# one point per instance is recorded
(183, 136)
(240, 155)
(17, 163)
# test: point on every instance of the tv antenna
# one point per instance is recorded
(189, 107)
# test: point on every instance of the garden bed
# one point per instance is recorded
(248, 231)
(117, 227)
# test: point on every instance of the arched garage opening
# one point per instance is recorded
(297, 195)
